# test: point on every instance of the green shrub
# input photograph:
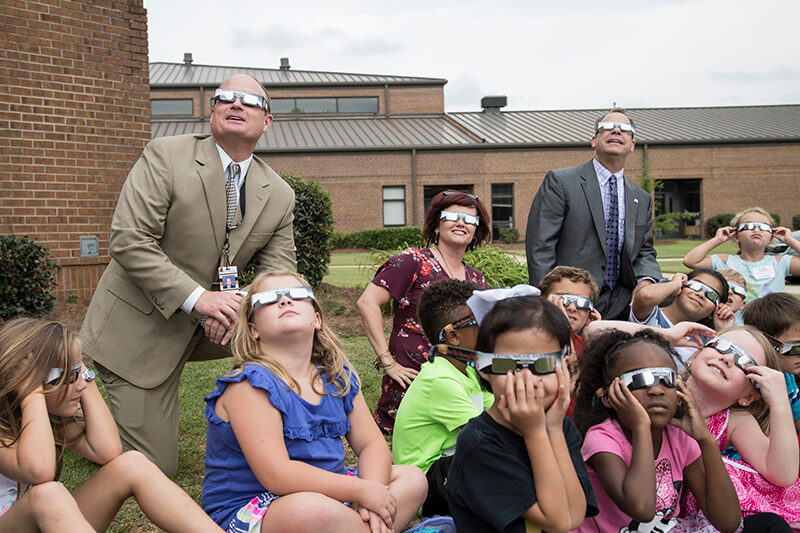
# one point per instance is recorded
(668, 222)
(501, 268)
(777, 218)
(380, 239)
(509, 235)
(716, 222)
(796, 222)
(313, 226)
(27, 277)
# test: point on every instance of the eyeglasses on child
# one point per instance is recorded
(700, 287)
(493, 363)
(273, 295)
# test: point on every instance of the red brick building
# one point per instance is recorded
(384, 145)
(74, 117)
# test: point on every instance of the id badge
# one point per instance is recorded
(228, 278)
(763, 272)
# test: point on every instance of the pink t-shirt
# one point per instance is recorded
(678, 450)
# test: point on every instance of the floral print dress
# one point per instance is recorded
(405, 275)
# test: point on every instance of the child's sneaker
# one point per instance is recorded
(434, 524)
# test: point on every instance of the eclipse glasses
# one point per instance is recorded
(609, 126)
(464, 322)
(273, 295)
(248, 99)
(74, 373)
(750, 226)
(741, 358)
(644, 378)
(784, 348)
(495, 363)
(453, 216)
(580, 302)
(700, 287)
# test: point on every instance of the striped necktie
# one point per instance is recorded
(231, 199)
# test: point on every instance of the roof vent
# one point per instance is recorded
(492, 104)
(187, 59)
(285, 63)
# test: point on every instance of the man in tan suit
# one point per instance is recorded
(168, 238)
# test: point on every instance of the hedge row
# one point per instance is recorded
(380, 239)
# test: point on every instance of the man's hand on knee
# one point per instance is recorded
(221, 306)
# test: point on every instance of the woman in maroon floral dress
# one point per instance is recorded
(456, 222)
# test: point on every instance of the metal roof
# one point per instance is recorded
(181, 75)
(688, 125)
(514, 129)
(342, 134)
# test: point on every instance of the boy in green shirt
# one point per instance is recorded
(446, 393)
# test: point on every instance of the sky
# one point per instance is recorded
(573, 54)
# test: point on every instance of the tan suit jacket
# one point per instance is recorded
(166, 238)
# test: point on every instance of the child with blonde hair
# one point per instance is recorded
(730, 312)
(48, 402)
(739, 390)
(274, 451)
(753, 230)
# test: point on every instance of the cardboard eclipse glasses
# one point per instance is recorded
(453, 216)
(494, 363)
(643, 378)
(273, 295)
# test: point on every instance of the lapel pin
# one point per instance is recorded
(636, 200)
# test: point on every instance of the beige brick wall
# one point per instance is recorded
(74, 116)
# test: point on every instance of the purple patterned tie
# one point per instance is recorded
(612, 233)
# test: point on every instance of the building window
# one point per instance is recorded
(357, 105)
(172, 107)
(394, 206)
(502, 207)
(345, 105)
(429, 191)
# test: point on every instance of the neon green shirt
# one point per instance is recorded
(436, 406)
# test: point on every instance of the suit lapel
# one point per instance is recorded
(594, 197)
(209, 170)
(631, 216)
(256, 186)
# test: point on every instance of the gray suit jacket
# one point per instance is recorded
(166, 237)
(566, 226)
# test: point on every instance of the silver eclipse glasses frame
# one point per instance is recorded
(453, 216)
(610, 126)
(702, 288)
(249, 99)
(580, 302)
(741, 358)
(643, 378)
(750, 226)
(495, 363)
(271, 296)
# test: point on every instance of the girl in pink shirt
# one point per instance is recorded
(639, 455)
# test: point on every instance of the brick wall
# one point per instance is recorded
(402, 99)
(75, 115)
(733, 177)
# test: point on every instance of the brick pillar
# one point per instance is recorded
(74, 116)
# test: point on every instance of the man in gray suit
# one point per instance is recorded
(593, 217)
(190, 205)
